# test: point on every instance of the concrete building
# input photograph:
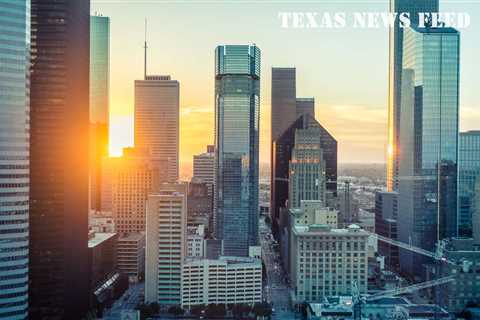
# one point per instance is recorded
(227, 280)
(326, 261)
(196, 241)
(386, 207)
(157, 120)
(314, 212)
(166, 244)
(131, 254)
(204, 168)
(200, 204)
(101, 222)
(348, 206)
(131, 178)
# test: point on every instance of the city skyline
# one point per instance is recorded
(342, 95)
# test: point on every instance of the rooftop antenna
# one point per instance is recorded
(145, 47)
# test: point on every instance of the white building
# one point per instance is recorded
(157, 119)
(204, 168)
(227, 280)
(131, 254)
(314, 212)
(196, 241)
(166, 245)
(326, 261)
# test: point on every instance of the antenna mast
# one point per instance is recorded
(145, 47)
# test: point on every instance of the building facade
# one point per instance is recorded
(196, 241)
(428, 140)
(204, 168)
(166, 246)
(14, 158)
(59, 159)
(413, 7)
(325, 261)
(386, 211)
(237, 110)
(305, 106)
(468, 177)
(157, 120)
(99, 102)
(131, 254)
(227, 280)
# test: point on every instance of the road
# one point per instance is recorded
(129, 301)
(276, 290)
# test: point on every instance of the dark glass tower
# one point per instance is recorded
(395, 79)
(237, 112)
(59, 269)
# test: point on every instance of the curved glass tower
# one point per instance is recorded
(237, 115)
(14, 157)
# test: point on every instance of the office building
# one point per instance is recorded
(396, 47)
(227, 280)
(14, 163)
(284, 100)
(196, 241)
(386, 211)
(157, 120)
(305, 106)
(204, 168)
(282, 155)
(166, 245)
(237, 111)
(326, 261)
(59, 158)
(307, 168)
(131, 178)
(468, 177)
(131, 255)
(348, 206)
(314, 212)
(200, 204)
(427, 199)
(102, 249)
(99, 102)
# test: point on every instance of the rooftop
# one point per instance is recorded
(99, 237)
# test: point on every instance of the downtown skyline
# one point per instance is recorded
(342, 96)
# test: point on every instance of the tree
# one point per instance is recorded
(176, 310)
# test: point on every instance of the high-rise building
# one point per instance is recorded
(413, 7)
(59, 147)
(284, 100)
(282, 155)
(468, 177)
(200, 205)
(307, 168)
(427, 200)
(14, 157)
(305, 106)
(204, 168)
(165, 246)
(157, 120)
(131, 178)
(386, 211)
(99, 102)
(237, 110)
(131, 254)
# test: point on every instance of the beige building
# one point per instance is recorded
(314, 212)
(325, 261)
(131, 254)
(196, 241)
(165, 244)
(227, 280)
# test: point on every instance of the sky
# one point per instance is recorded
(345, 70)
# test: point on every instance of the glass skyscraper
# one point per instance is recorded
(99, 102)
(237, 116)
(468, 179)
(428, 140)
(395, 79)
(14, 157)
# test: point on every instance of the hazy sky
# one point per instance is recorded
(346, 70)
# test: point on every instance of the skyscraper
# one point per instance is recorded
(305, 106)
(204, 168)
(14, 157)
(59, 119)
(157, 119)
(284, 100)
(99, 102)
(428, 140)
(413, 7)
(237, 112)
(469, 176)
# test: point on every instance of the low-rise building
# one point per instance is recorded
(326, 261)
(101, 221)
(131, 254)
(227, 280)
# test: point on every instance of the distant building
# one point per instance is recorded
(348, 206)
(131, 255)
(386, 210)
(468, 177)
(227, 280)
(166, 244)
(157, 120)
(204, 168)
(200, 205)
(326, 261)
(196, 241)
(101, 222)
(305, 106)
(314, 212)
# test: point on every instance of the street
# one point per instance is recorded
(129, 301)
